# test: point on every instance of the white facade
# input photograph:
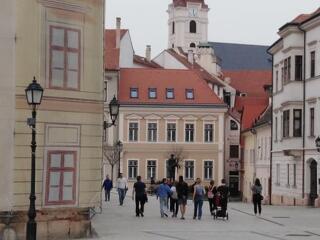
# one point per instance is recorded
(7, 101)
(180, 18)
(296, 100)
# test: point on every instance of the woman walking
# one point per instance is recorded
(198, 195)
(174, 200)
(212, 191)
(256, 196)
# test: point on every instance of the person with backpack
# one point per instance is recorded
(212, 191)
(256, 196)
(174, 200)
(198, 196)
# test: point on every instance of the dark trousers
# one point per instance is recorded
(256, 203)
(224, 205)
(211, 204)
(140, 201)
(174, 205)
(107, 195)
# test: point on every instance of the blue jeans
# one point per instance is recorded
(163, 205)
(122, 194)
(198, 208)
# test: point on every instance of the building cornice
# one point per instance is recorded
(59, 4)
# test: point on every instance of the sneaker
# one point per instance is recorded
(194, 217)
(199, 218)
(182, 218)
(141, 213)
(166, 214)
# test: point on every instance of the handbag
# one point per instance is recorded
(261, 197)
(145, 197)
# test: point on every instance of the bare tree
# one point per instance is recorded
(111, 155)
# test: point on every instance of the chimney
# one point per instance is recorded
(148, 53)
(118, 32)
(190, 57)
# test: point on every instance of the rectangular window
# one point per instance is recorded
(170, 93)
(151, 169)
(312, 64)
(152, 93)
(298, 68)
(189, 132)
(132, 169)
(208, 170)
(289, 70)
(171, 132)
(134, 93)
(282, 77)
(277, 81)
(312, 122)
(288, 175)
(278, 174)
(64, 47)
(286, 123)
(234, 151)
(61, 179)
(133, 131)
(208, 132)
(189, 170)
(294, 175)
(189, 94)
(285, 70)
(297, 122)
(276, 129)
(152, 132)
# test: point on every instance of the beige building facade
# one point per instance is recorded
(61, 44)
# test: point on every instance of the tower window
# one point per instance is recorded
(193, 26)
(173, 28)
(192, 45)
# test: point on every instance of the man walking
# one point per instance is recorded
(163, 191)
(122, 187)
(107, 186)
(223, 189)
(139, 194)
(183, 191)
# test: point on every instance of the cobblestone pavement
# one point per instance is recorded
(280, 223)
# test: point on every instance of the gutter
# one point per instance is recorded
(303, 111)
(271, 139)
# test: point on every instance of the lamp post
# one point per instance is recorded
(317, 141)
(34, 93)
(114, 106)
(119, 149)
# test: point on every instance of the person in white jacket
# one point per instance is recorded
(122, 186)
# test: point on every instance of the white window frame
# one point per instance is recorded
(146, 169)
(194, 131)
(138, 137)
(138, 173)
(204, 132)
(147, 131)
(203, 168)
(166, 130)
(194, 169)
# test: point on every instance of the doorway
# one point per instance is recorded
(313, 182)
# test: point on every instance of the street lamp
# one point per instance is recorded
(119, 149)
(114, 106)
(34, 93)
(317, 141)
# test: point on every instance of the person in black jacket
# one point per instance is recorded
(182, 191)
(139, 192)
(223, 189)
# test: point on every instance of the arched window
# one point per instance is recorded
(173, 27)
(192, 45)
(233, 125)
(193, 26)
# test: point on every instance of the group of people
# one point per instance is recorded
(175, 194)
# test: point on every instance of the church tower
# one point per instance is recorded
(188, 23)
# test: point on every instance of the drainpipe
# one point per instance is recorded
(271, 139)
(303, 112)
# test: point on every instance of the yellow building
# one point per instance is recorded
(60, 42)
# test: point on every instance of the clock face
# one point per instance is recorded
(193, 12)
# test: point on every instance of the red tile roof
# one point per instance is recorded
(112, 54)
(183, 3)
(183, 58)
(250, 114)
(144, 62)
(161, 79)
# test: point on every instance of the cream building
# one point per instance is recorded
(167, 112)
(59, 42)
(295, 167)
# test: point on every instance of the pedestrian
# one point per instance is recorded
(107, 186)
(174, 200)
(122, 187)
(198, 196)
(256, 196)
(211, 194)
(223, 190)
(183, 191)
(163, 191)
(139, 195)
(170, 184)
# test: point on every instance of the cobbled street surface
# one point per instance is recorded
(281, 223)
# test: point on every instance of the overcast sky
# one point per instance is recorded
(235, 21)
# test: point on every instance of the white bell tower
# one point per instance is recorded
(188, 23)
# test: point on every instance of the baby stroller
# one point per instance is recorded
(220, 210)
